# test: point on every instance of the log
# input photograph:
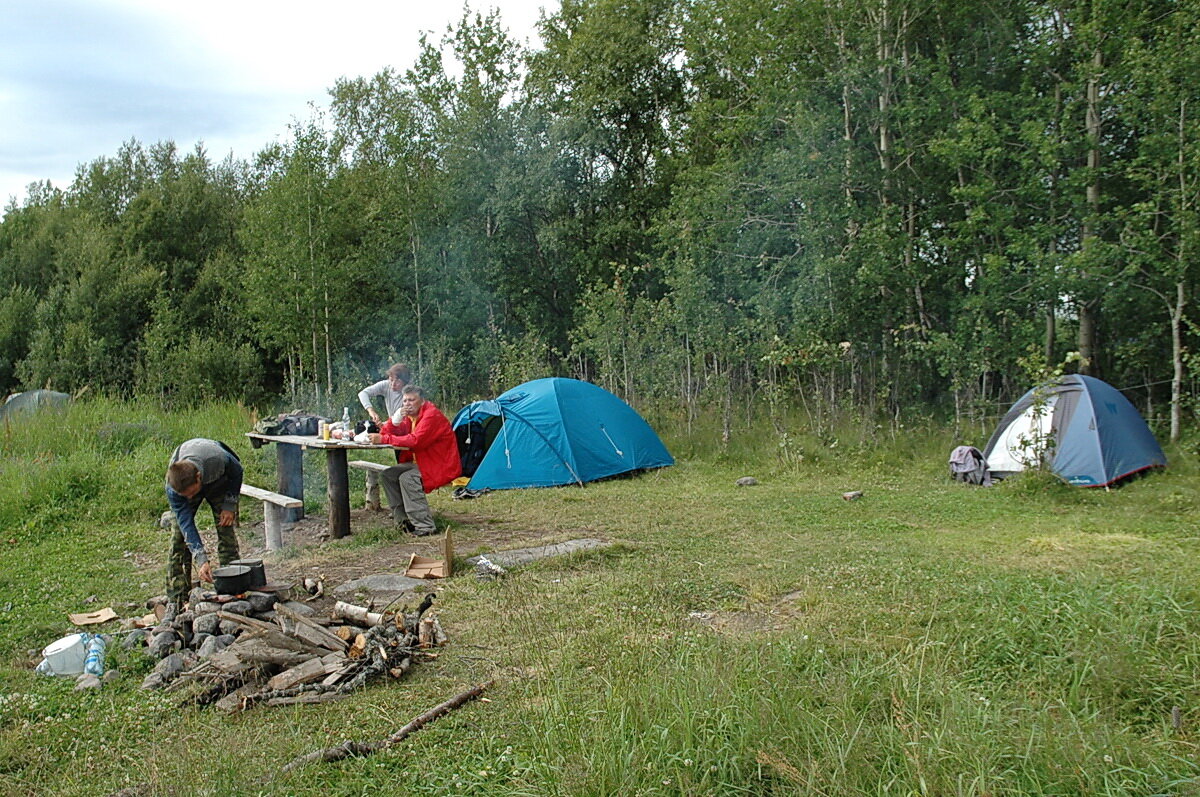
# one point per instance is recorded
(308, 697)
(304, 673)
(359, 615)
(351, 748)
(234, 700)
(312, 630)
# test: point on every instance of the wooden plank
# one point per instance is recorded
(304, 673)
(316, 633)
(313, 441)
(251, 491)
(363, 464)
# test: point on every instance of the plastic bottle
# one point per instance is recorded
(94, 663)
(346, 427)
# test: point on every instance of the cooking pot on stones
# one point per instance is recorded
(258, 574)
(231, 579)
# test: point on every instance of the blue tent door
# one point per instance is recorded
(561, 431)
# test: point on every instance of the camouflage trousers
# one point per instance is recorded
(179, 560)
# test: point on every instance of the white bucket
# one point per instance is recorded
(65, 656)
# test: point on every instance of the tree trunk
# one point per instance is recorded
(1088, 305)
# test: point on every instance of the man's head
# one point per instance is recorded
(184, 478)
(398, 376)
(411, 401)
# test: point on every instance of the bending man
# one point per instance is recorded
(430, 462)
(200, 470)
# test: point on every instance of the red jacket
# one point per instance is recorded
(432, 446)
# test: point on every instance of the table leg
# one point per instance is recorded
(339, 493)
(291, 477)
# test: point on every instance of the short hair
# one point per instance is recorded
(400, 371)
(182, 475)
(412, 389)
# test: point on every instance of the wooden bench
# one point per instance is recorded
(273, 506)
(373, 469)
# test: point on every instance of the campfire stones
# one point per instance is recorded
(206, 623)
(260, 602)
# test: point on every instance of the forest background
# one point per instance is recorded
(849, 207)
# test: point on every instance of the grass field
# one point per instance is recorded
(929, 638)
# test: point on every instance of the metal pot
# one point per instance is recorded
(258, 574)
(231, 579)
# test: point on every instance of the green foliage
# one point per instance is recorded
(867, 210)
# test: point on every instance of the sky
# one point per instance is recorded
(80, 77)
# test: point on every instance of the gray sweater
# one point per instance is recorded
(220, 485)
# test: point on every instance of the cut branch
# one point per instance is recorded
(350, 748)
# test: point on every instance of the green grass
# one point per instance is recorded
(928, 638)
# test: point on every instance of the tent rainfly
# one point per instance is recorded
(1090, 434)
(550, 432)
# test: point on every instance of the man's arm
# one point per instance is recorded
(185, 514)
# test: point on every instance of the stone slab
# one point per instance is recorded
(523, 556)
(380, 584)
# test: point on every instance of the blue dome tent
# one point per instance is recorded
(550, 432)
(1091, 435)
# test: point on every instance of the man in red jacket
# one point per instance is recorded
(430, 462)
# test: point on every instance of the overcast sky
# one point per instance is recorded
(79, 77)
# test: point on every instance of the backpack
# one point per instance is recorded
(298, 423)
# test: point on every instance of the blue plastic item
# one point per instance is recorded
(93, 664)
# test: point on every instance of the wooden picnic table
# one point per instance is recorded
(288, 451)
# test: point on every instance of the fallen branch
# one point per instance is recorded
(350, 748)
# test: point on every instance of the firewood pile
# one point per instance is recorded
(260, 650)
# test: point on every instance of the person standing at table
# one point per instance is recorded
(430, 462)
(390, 390)
(200, 470)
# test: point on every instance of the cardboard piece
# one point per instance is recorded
(424, 567)
(92, 618)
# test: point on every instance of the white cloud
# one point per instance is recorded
(79, 77)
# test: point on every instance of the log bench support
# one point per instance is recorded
(373, 469)
(275, 512)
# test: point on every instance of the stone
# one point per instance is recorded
(746, 481)
(206, 624)
(260, 601)
(87, 681)
(110, 675)
(229, 627)
(302, 609)
(239, 607)
(163, 644)
(135, 639)
(523, 556)
(380, 585)
(205, 607)
(209, 646)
